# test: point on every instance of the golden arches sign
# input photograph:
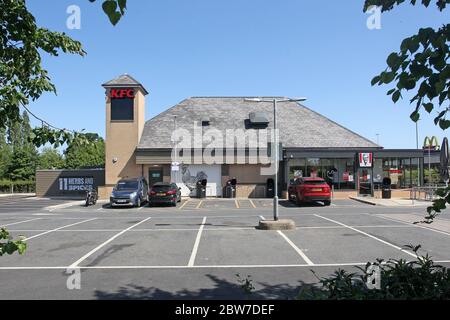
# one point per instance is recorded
(431, 143)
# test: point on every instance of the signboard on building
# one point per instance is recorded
(365, 160)
(175, 166)
(76, 184)
(121, 93)
(345, 176)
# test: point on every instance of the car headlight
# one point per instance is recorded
(133, 195)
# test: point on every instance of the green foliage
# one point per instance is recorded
(114, 9)
(9, 246)
(91, 154)
(246, 284)
(5, 154)
(28, 186)
(420, 65)
(22, 77)
(22, 164)
(21, 43)
(50, 158)
(438, 205)
(435, 175)
(387, 5)
(400, 280)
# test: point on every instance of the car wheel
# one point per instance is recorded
(327, 203)
(138, 202)
(297, 201)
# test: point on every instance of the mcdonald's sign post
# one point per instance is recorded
(431, 143)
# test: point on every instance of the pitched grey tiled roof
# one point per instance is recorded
(124, 80)
(299, 126)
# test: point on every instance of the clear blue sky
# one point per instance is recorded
(177, 49)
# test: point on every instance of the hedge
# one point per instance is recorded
(18, 186)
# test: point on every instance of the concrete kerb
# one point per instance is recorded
(27, 195)
(363, 200)
(394, 202)
(282, 224)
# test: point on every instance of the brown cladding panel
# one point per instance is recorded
(47, 181)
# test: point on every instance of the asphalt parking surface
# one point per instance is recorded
(194, 251)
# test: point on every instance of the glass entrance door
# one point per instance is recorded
(365, 181)
(154, 176)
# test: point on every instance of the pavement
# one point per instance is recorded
(394, 202)
(196, 250)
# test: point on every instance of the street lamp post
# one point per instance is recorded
(276, 147)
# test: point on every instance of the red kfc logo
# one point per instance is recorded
(365, 160)
(121, 93)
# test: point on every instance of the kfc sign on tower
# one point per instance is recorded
(121, 93)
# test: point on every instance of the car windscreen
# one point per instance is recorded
(314, 182)
(127, 185)
(161, 188)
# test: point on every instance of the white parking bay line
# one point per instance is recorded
(297, 249)
(53, 230)
(410, 224)
(76, 263)
(368, 235)
(14, 223)
(196, 243)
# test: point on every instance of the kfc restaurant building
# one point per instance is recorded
(311, 145)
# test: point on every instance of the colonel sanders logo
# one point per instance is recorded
(365, 160)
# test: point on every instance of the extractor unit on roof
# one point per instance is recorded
(205, 121)
(258, 119)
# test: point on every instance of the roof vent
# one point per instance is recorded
(258, 118)
(205, 121)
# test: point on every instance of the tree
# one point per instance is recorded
(24, 154)
(86, 155)
(22, 77)
(114, 9)
(421, 66)
(5, 154)
(49, 158)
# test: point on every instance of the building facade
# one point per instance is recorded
(221, 138)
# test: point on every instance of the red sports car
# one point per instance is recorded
(309, 190)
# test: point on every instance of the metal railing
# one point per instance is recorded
(427, 193)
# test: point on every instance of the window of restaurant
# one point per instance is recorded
(344, 171)
(403, 172)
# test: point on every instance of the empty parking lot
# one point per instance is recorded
(196, 249)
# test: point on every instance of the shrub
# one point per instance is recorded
(400, 280)
(11, 246)
(19, 186)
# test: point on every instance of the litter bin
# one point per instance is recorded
(201, 188)
(233, 183)
(270, 188)
(386, 188)
(228, 190)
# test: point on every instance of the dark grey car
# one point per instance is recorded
(129, 192)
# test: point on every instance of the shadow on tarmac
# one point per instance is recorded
(223, 290)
